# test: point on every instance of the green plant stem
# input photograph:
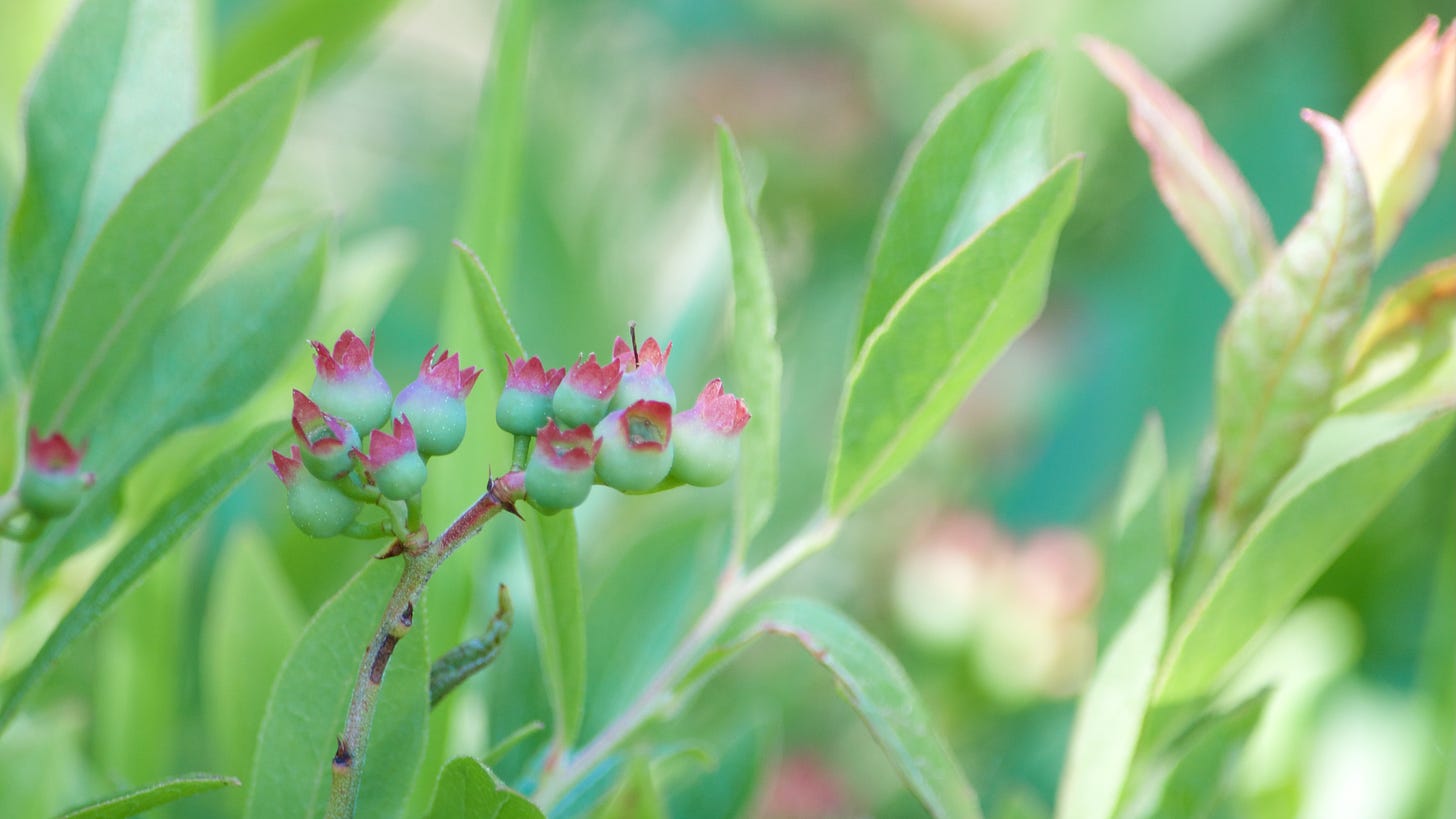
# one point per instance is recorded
(9, 506)
(734, 591)
(520, 452)
(348, 759)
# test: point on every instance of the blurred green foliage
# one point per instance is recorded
(615, 217)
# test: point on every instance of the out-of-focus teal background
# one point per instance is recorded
(617, 218)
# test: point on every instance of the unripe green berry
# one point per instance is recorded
(50, 495)
(636, 442)
(559, 475)
(701, 459)
(525, 402)
(320, 509)
(435, 402)
(51, 482)
(439, 421)
(402, 478)
(522, 413)
(705, 437)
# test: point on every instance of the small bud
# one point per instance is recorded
(636, 446)
(586, 394)
(347, 386)
(394, 462)
(644, 374)
(525, 403)
(52, 482)
(435, 402)
(326, 440)
(705, 438)
(559, 475)
(318, 509)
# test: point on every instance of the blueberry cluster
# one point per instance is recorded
(614, 424)
(330, 474)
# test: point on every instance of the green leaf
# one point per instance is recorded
(459, 663)
(637, 797)
(495, 324)
(516, 737)
(1140, 545)
(468, 788)
(982, 149)
(118, 87)
(252, 619)
(915, 368)
(1199, 781)
(268, 31)
(1281, 353)
(172, 521)
(489, 215)
(551, 541)
(725, 779)
(154, 246)
(1110, 714)
(1200, 185)
(874, 684)
(551, 547)
(1351, 467)
(209, 357)
(134, 802)
(1405, 353)
(291, 764)
(758, 366)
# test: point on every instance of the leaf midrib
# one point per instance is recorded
(1229, 485)
(854, 492)
(83, 374)
(877, 274)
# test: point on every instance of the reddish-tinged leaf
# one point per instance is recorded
(1401, 123)
(1198, 182)
(1282, 350)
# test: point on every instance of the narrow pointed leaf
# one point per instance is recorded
(551, 548)
(874, 684)
(1401, 123)
(495, 324)
(758, 365)
(941, 336)
(252, 619)
(143, 799)
(980, 151)
(154, 246)
(1200, 185)
(1110, 714)
(1350, 469)
(1200, 781)
(489, 212)
(119, 85)
(459, 663)
(268, 31)
(306, 709)
(551, 541)
(194, 374)
(468, 788)
(637, 797)
(169, 525)
(1405, 352)
(1140, 544)
(1282, 351)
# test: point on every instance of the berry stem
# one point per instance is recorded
(348, 758)
(521, 452)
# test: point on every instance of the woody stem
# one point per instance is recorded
(348, 759)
